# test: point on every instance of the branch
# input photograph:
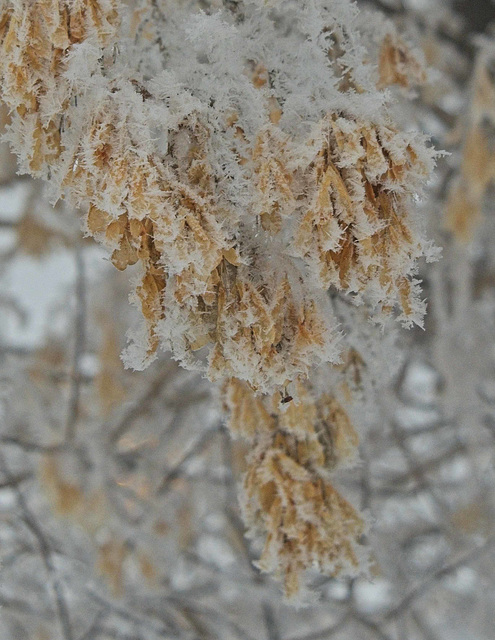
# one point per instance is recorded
(46, 554)
(195, 448)
(422, 588)
(79, 346)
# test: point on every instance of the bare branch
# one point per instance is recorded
(79, 345)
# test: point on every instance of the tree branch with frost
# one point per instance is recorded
(251, 194)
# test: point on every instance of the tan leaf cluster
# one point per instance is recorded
(69, 500)
(143, 211)
(34, 37)
(263, 335)
(477, 170)
(347, 214)
(258, 332)
(273, 179)
(288, 499)
(133, 241)
(355, 232)
(398, 65)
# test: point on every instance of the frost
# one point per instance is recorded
(247, 159)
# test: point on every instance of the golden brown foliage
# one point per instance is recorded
(288, 499)
(467, 193)
(398, 64)
(34, 37)
(326, 209)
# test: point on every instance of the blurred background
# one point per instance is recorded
(118, 508)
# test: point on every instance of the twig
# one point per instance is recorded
(89, 634)
(270, 622)
(15, 481)
(141, 621)
(195, 448)
(46, 554)
(423, 628)
(372, 626)
(23, 608)
(424, 586)
(31, 447)
(216, 615)
(136, 410)
(327, 632)
(79, 346)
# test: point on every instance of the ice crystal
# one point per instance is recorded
(245, 156)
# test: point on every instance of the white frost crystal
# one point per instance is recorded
(244, 156)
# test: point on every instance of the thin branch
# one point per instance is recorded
(136, 409)
(419, 621)
(90, 633)
(24, 608)
(142, 621)
(195, 448)
(271, 624)
(46, 554)
(216, 615)
(373, 627)
(327, 632)
(15, 481)
(422, 588)
(31, 447)
(79, 346)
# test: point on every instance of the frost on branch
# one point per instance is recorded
(219, 176)
(245, 159)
